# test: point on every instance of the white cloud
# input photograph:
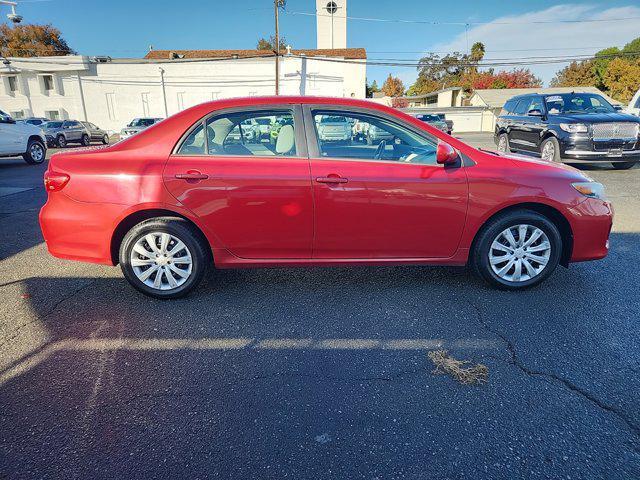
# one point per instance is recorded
(502, 40)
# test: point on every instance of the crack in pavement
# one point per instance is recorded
(515, 360)
(16, 332)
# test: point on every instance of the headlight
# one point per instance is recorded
(590, 189)
(574, 127)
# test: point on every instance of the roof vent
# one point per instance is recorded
(102, 59)
(176, 55)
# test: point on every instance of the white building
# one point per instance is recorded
(111, 92)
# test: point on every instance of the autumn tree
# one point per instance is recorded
(576, 74)
(517, 78)
(371, 89)
(393, 87)
(622, 78)
(270, 43)
(32, 41)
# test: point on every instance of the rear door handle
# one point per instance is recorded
(192, 175)
(332, 179)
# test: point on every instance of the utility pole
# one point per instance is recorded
(276, 4)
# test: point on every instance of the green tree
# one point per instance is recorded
(622, 78)
(393, 87)
(32, 41)
(270, 43)
(371, 89)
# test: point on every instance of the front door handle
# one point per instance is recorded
(332, 179)
(192, 175)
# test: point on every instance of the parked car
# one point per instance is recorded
(33, 120)
(137, 125)
(96, 134)
(332, 128)
(634, 105)
(448, 122)
(170, 202)
(434, 120)
(250, 132)
(376, 135)
(61, 132)
(569, 127)
(21, 139)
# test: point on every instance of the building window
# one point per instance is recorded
(13, 84)
(111, 105)
(253, 94)
(17, 115)
(47, 82)
(145, 104)
(52, 114)
(180, 101)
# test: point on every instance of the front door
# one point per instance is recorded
(389, 199)
(253, 193)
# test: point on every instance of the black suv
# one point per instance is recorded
(569, 127)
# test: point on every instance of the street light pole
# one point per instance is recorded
(276, 4)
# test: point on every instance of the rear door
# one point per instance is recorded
(254, 195)
(386, 200)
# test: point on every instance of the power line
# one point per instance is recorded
(462, 24)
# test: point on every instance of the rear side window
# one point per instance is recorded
(256, 133)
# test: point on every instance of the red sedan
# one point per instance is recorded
(285, 181)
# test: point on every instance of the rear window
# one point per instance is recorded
(53, 124)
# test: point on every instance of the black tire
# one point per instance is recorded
(105, 140)
(503, 137)
(61, 141)
(623, 165)
(556, 148)
(85, 141)
(31, 156)
(182, 230)
(479, 257)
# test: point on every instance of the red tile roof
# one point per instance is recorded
(350, 53)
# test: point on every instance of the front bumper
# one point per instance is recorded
(581, 148)
(591, 222)
(588, 156)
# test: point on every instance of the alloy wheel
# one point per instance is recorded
(548, 152)
(502, 143)
(37, 152)
(161, 261)
(520, 253)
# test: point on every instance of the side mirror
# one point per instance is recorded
(7, 120)
(618, 107)
(535, 113)
(446, 154)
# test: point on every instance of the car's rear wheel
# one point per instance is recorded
(36, 152)
(516, 250)
(61, 141)
(503, 143)
(105, 139)
(164, 257)
(550, 150)
(623, 165)
(86, 141)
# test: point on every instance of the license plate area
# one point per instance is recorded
(615, 152)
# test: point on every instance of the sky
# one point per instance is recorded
(121, 28)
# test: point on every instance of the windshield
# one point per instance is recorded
(577, 103)
(429, 118)
(53, 125)
(142, 122)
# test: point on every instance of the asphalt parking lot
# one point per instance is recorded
(316, 372)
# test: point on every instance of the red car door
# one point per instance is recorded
(402, 205)
(253, 193)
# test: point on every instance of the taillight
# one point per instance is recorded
(54, 181)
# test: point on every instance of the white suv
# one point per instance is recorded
(21, 139)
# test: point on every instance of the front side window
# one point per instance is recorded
(354, 135)
(536, 104)
(522, 107)
(257, 133)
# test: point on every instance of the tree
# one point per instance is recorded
(393, 87)
(270, 44)
(601, 64)
(371, 89)
(622, 78)
(32, 41)
(576, 74)
(517, 78)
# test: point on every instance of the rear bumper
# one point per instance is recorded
(78, 230)
(591, 223)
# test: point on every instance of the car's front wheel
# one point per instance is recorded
(550, 150)
(85, 141)
(516, 250)
(105, 139)
(623, 165)
(36, 152)
(164, 257)
(503, 143)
